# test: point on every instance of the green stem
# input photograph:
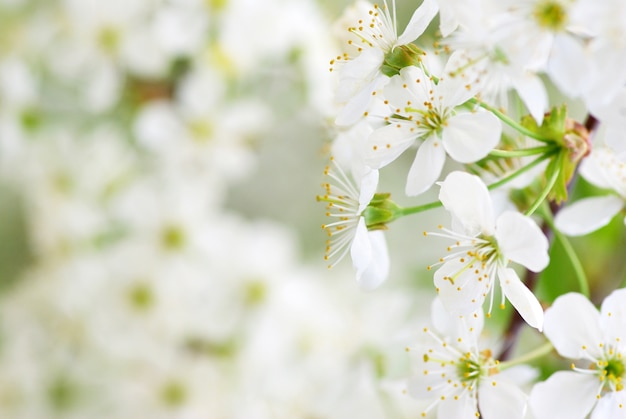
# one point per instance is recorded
(419, 208)
(517, 173)
(544, 194)
(510, 122)
(523, 152)
(401, 212)
(543, 350)
(579, 271)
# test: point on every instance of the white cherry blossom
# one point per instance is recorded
(347, 196)
(425, 111)
(598, 340)
(457, 375)
(376, 37)
(484, 246)
(557, 31)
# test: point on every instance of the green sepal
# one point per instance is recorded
(552, 127)
(400, 57)
(559, 190)
(380, 211)
(572, 140)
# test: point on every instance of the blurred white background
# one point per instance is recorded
(160, 243)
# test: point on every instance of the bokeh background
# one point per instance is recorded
(160, 246)
(160, 241)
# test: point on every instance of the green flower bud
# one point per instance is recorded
(380, 211)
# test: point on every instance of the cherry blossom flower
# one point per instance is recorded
(482, 62)
(346, 201)
(457, 376)
(557, 30)
(425, 110)
(377, 41)
(604, 169)
(484, 246)
(598, 339)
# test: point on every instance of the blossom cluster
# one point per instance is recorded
(488, 94)
(155, 209)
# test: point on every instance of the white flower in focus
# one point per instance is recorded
(598, 339)
(348, 231)
(484, 246)
(457, 376)
(425, 110)
(377, 38)
(604, 169)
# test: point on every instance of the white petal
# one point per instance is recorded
(469, 137)
(611, 405)
(356, 106)
(613, 316)
(386, 144)
(158, 127)
(448, 20)
(468, 199)
(347, 149)
(594, 168)
(369, 183)
(587, 215)
(520, 375)
(499, 398)
(427, 386)
(378, 269)
(533, 93)
(466, 294)
(571, 324)
(466, 407)
(361, 249)
(565, 395)
(522, 241)
(521, 298)
(420, 20)
(358, 73)
(468, 328)
(398, 95)
(426, 167)
(571, 79)
(454, 90)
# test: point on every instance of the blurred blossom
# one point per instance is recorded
(123, 129)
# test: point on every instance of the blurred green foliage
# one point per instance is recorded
(15, 253)
(601, 253)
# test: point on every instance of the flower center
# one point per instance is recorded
(173, 237)
(613, 370)
(173, 394)
(431, 119)
(469, 369)
(550, 15)
(141, 297)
